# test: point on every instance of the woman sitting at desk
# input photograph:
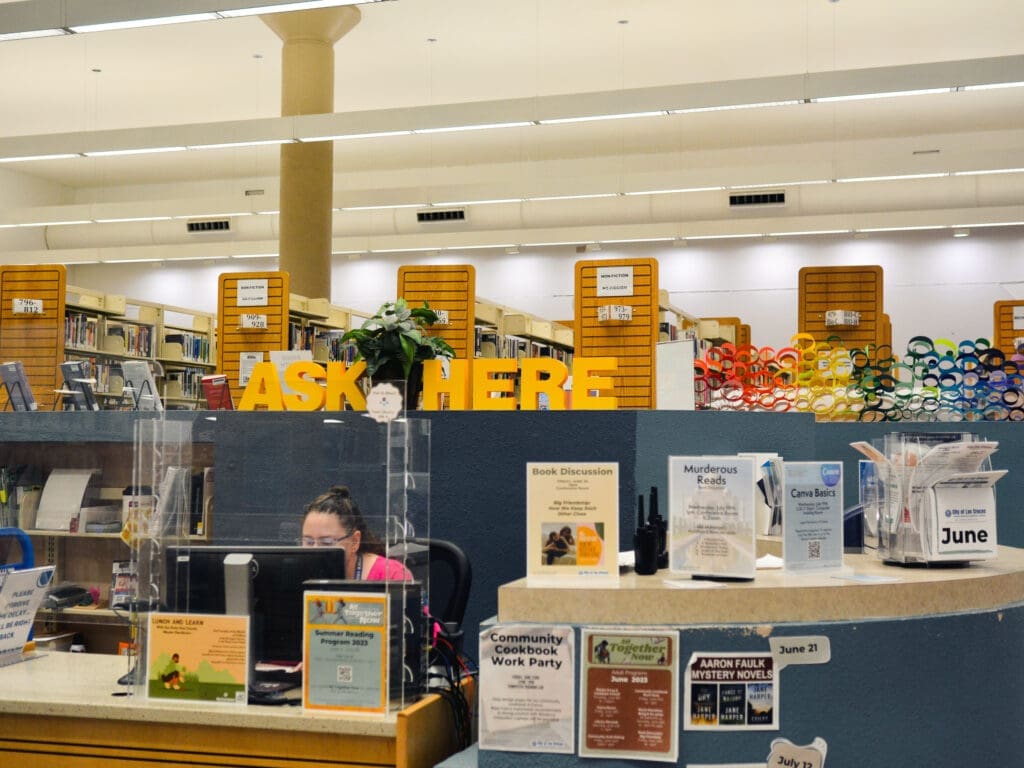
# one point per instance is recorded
(332, 519)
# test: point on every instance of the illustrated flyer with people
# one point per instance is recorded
(572, 520)
(198, 657)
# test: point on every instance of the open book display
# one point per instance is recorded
(140, 385)
(19, 393)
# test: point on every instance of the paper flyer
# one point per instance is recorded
(572, 513)
(345, 652)
(527, 688)
(731, 692)
(629, 683)
(711, 513)
(812, 520)
(202, 657)
(21, 593)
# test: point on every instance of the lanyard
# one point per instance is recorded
(359, 566)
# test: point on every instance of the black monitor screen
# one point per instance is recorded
(195, 584)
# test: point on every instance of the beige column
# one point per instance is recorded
(307, 170)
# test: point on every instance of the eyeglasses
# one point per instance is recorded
(325, 541)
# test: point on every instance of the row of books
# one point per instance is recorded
(184, 383)
(190, 347)
(489, 343)
(128, 339)
(80, 330)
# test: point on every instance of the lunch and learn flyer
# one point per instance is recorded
(193, 656)
(572, 514)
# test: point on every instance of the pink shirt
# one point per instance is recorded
(384, 569)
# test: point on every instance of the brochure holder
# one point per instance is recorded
(393, 496)
(932, 497)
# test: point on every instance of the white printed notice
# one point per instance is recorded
(812, 518)
(629, 702)
(731, 692)
(572, 521)
(527, 675)
(21, 593)
(711, 513)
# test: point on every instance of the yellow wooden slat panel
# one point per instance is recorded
(36, 340)
(232, 340)
(449, 287)
(631, 339)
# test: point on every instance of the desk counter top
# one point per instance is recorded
(82, 684)
(869, 590)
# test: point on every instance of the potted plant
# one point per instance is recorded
(394, 341)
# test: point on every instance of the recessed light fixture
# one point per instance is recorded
(961, 232)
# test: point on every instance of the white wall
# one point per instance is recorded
(935, 285)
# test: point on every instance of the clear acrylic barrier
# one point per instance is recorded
(384, 466)
(906, 468)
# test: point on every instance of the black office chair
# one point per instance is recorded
(451, 577)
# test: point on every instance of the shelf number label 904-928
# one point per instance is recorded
(253, 321)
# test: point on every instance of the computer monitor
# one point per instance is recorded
(195, 584)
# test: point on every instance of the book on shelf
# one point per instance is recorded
(19, 393)
(78, 382)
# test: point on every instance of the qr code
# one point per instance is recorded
(814, 549)
(344, 674)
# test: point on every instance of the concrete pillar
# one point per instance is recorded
(307, 170)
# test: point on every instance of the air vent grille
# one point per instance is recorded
(209, 225)
(450, 214)
(758, 198)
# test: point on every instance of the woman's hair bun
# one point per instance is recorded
(341, 491)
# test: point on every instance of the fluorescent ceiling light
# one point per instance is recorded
(810, 232)
(561, 120)
(724, 107)
(254, 256)
(32, 33)
(893, 178)
(900, 229)
(638, 240)
(50, 223)
(541, 245)
(720, 237)
(61, 156)
(989, 172)
(346, 136)
(120, 152)
(884, 95)
(992, 86)
(570, 197)
(406, 250)
(994, 224)
(129, 261)
(779, 184)
(673, 191)
(135, 23)
(478, 202)
(381, 207)
(231, 144)
(450, 129)
(134, 218)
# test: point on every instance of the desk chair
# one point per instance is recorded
(451, 577)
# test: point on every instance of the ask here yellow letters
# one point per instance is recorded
(469, 385)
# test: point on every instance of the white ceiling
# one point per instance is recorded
(410, 58)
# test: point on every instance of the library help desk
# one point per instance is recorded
(57, 711)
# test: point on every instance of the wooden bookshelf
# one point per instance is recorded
(849, 289)
(32, 326)
(317, 325)
(631, 341)
(1008, 325)
(450, 289)
(236, 314)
